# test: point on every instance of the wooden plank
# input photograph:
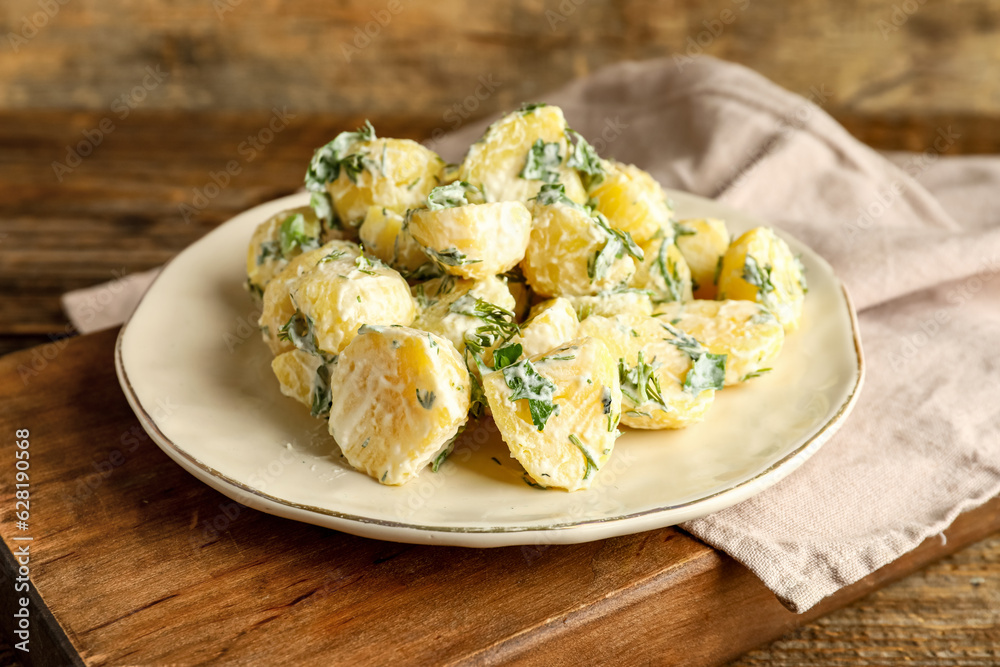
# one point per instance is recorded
(946, 615)
(138, 562)
(424, 58)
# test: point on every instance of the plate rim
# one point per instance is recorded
(390, 530)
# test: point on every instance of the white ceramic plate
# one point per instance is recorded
(195, 371)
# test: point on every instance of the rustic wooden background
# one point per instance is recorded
(184, 82)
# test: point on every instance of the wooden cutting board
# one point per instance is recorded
(133, 561)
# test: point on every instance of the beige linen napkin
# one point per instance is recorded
(924, 441)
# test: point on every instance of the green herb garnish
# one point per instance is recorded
(322, 206)
(542, 163)
(707, 372)
(425, 398)
(293, 235)
(300, 331)
(640, 384)
(530, 482)
(555, 193)
(606, 399)
(619, 243)
(325, 166)
(367, 265)
(255, 289)
(683, 341)
(585, 159)
(680, 229)
(322, 395)
(447, 450)
(327, 160)
(268, 250)
(528, 384)
(448, 196)
(529, 107)
(334, 255)
(758, 276)
(671, 278)
(450, 257)
(506, 355)
(499, 326)
(591, 462)
(765, 316)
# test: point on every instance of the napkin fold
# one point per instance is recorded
(916, 239)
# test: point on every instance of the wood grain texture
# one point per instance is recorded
(140, 563)
(120, 211)
(421, 58)
(948, 614)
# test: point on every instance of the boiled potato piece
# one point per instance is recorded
(447, 305)
(383, 235)
(282, 237)
(359, 170)
(661, 385)
(663, 272)
(550, 324)
(570, 253)
(278, 307)
(521, 152)
(760, 267)
(633, 201)
(703, 242)
(474, 240)
(609, 304)
(745, 331)
(306, 378)
(400, 396)
(563, 430)
(339, 295)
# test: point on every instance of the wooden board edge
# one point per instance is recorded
(48, 643)
(664, 622)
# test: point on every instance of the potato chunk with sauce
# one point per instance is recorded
(633, 201)
(306, 378)
(668, 379)
(448, 305)
(574, 253)
(558, 411)
(550, 324)
(399, 397)
(473, 240)
(278, 307)
(521, 152)
(342, 293)
(279, 239)
(745, 331)
(759, 266)
(358, 170)
(616, 302)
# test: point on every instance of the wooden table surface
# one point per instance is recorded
(119, 212)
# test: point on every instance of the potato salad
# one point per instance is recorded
(535, 284)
